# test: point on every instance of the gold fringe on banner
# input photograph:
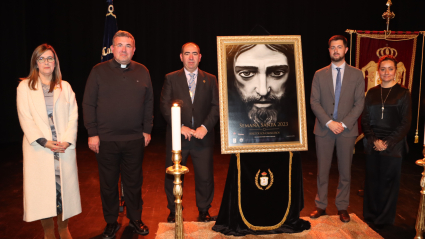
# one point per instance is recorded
(389, 37)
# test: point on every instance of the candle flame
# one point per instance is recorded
(175, 105)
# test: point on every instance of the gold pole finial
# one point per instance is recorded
(388, 15)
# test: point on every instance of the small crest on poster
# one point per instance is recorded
(265, 181)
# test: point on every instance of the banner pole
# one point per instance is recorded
(420, 88)
(351, 41)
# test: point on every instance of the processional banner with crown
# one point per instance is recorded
(372, 45)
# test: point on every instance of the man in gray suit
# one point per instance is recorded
(337, 99)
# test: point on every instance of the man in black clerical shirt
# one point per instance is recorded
(118, 109)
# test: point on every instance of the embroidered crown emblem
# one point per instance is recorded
(386, 51)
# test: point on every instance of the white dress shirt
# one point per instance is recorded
(188, 76)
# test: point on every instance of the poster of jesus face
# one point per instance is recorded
(262, 102)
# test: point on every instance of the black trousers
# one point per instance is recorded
(125, 157)
(202, 159)
(381, 189)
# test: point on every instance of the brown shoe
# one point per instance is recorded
(317, 213)
(343, 215)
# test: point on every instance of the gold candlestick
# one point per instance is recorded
(178, 170)
(421, 211)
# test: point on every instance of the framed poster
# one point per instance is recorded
(262, 99)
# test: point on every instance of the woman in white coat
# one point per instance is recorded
(48, 115)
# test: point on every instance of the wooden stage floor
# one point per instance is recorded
(90, 223)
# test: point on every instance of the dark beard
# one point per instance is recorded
(263, 115)
(338, 59)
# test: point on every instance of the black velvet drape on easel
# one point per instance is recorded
(229, 220)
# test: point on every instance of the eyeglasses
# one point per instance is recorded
(43, 59)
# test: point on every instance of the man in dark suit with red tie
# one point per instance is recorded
(196, 92)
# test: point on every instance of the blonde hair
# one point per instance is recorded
(34, 71)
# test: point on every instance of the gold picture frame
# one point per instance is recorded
(252, 121)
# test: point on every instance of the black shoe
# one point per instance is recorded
(139, 227)
(171, 217)
(204, 217)
(317, 213)
(110, 230)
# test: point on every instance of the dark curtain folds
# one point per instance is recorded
(75, 29)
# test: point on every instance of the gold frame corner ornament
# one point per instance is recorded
(301, 144)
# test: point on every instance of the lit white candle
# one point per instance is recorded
(176, 127)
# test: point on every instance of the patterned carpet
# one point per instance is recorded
(324, 227)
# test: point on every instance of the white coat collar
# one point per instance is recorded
(37, 98)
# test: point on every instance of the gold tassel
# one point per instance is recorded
(416, 137)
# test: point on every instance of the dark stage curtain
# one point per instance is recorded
(262, 208)
(75, 29)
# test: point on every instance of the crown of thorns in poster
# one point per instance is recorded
(262, 99)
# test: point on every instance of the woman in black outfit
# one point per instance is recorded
(386, 120)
